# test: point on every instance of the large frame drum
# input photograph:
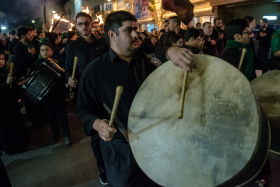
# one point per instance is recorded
(41, 81)
(223, 138)
(267, 88)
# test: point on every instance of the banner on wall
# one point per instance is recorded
(141, 10)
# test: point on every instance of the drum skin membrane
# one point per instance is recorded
(216, 138)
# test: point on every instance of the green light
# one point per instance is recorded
(33, 21)
(53, 11)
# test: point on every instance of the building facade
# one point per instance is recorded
(204, 10)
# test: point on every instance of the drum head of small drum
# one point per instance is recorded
(216, 138)
(267, 88)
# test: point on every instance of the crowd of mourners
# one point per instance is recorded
(32, 46)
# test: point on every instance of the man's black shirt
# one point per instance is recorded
(24, 59)
(86, 53)
(100, 79)
(195, 50)
(266, 40)
(12, 45)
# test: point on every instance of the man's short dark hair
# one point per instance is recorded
(205, 23)
(115, 20)
(22, 31)
(13, 32)
(147, 36)
(83, 14)
(216, 19)
(192, 32)
(70, 34)
(236, 26)
(249, 18)
(162, 30)
(153, 36)
(265, 20)
(166, 21)
(174, 38)
(198, 24)
(176, 19)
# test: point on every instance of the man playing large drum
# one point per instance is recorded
(122, 65)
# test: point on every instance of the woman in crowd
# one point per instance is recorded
(13, 137)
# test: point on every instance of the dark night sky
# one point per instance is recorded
(22, 11)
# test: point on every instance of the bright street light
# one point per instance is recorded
(33, 21)
(3, 28)
(53, 11)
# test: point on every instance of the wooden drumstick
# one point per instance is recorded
(244, 50)
(11, 71)
(182, 101)
(74, 70)
(119, 92)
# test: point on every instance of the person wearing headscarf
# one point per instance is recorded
(13, 137)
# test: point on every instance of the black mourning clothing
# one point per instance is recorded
(97, 86)
(86, 53)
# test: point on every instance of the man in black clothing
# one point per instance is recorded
(192, 38)
(13, 42)
(210, 42)
(252, 27)
(198, 26)
(166, 29)
(160, 38)
(145, 39)
(264, 36)
(122, 65)
(218, 35)
(87, 49)
(25, 56)
(175, 28)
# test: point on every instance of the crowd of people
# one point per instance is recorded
(101, 69)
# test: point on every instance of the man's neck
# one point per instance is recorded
(188, 44)
(87, 38)
(121, 56)
(177, 30)
(22, 41)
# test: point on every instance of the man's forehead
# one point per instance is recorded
(82, 19)
(129, 24)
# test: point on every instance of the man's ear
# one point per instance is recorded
(237, 37)
(192, 39)
(112, 35)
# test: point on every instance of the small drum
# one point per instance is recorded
(41, 81)
(267, 88)
(223, 138)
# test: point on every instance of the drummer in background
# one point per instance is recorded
(175, 40)
(87, 49)
(54, 102)
(122, 65)
(238, 34)
(192, 38)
